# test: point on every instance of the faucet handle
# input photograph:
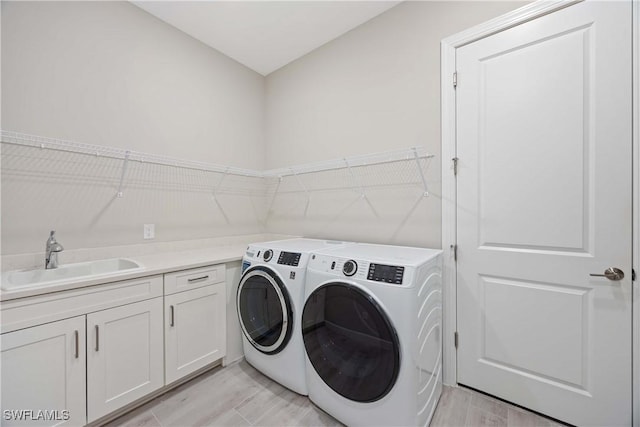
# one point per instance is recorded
(52, 238)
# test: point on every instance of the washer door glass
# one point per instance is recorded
(350, 342)
(264, 309)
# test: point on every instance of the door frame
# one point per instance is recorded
(449, 197)
(636, 209)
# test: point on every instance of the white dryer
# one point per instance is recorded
(269, 301)
(371, 327)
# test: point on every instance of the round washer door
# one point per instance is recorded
(350, 342)
(264, 310)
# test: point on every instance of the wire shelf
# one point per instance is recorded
(42, 142)
(412, 153)
(117, 167)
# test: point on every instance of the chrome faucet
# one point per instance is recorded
(51, 254)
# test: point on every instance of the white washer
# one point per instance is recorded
(371, 328)
(269, 301)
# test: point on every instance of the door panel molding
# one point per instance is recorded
(507, 301)
(449, 196)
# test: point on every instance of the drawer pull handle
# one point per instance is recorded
(173, 318)
(196, 279)
(77, 338)
(97, 338)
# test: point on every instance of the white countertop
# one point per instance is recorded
(152, 264)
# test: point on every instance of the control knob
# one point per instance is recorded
(268, 254)
(349, 268)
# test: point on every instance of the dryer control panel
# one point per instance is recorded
(289, 258)
(385, 273)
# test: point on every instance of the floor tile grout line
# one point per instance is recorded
(265, 413)
(487, 411)
(309, 409)
(156, 417)
(493, 414)
(241, 416)
(466, 412)
(258, 390)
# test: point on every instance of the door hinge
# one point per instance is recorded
(633, 275)
(455, 80)
(455, 339)
(455, 165)
(454, 248)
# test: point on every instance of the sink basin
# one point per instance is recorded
(22, 279)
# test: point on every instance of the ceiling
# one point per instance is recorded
(265, 35)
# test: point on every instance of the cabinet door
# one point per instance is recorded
(195, 330)
(43, 374)
(124, 355)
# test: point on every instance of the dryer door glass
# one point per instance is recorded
(350, 342)
(264, 310)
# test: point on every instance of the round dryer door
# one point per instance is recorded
(350, 342)
(264, 310)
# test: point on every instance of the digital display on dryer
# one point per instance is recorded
(386, 273)
(289, 258)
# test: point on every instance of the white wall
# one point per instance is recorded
(109, 73)
(374, 89)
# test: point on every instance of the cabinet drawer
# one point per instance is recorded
(193, 279)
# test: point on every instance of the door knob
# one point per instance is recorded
(611, 273)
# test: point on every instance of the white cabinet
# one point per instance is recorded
(124, 355)
(43, 369)
(118, 342)
(195, 329)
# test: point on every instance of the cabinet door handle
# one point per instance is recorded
(196, 279)
(77, 338)
(173, 318)
(97, 338)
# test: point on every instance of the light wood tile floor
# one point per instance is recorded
(239, 395)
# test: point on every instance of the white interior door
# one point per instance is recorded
(544, 199)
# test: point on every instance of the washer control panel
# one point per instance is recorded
(385, 273)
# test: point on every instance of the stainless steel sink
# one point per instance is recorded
(23, 279)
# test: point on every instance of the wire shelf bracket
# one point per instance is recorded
(273, 198)
(215, 196)
(306, 192)
(422, 178)
(358, 183)
(125, 163)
